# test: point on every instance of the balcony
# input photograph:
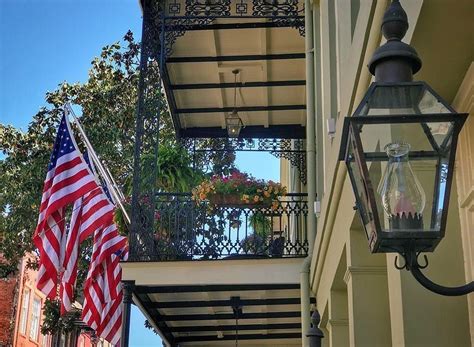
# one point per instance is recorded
(187, 230)
(220, 273)
(217, 274)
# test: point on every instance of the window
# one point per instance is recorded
(44, 341)
(35, 319)
(25, 302)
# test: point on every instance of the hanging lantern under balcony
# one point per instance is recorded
(233, 122)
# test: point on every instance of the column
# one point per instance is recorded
(338, 325)
(367, 290)
(127, 288)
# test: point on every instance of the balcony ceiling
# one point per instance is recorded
(191, 301)
(271, 92)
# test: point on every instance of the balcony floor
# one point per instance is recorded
(191, 301)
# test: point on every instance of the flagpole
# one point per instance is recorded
(105, 174)
(115, 184)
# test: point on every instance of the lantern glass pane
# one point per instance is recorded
(414, 98)
(233, 130)
(234, 125)
(392, 99)
(360, 189)
(428, 165)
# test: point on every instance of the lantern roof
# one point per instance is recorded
(405, 102)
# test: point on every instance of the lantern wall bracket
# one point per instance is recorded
(410, 255)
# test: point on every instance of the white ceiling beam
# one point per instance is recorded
(265, 95)
(220, 96)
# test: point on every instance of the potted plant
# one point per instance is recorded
(238, 189)
(256, 243)
(261, 242)
(175, 174)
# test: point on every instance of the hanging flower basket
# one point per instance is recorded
(225, 199)
(235, 200)
(238, 189)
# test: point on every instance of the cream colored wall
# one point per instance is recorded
(464, 102)
(400, 312)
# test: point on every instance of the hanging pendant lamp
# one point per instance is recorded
(232, 121)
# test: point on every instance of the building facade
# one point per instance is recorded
(363, 299)
(8, 285)
(303, 69)
(26, 305)
(21, 314)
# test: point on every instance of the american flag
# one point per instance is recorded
(67, 180)
(102, 291)
(90, 213)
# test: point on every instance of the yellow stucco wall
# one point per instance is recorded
(363, 299)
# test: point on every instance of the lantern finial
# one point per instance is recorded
(394, 61)
(395, 22)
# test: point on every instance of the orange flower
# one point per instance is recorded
(256, 198)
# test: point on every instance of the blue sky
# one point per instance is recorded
(46, 42)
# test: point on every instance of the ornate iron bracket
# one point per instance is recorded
(410, 255)
(181, 15)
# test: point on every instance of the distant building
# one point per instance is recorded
(21, 314)
(21, 306)
(7, 294)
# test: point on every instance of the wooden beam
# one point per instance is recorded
(223, 316)
(221, 303)
(239, 337)
(241, 109)
(214, 288)
(209, 59)
(291, 131)
(255, 84)
(195, 328)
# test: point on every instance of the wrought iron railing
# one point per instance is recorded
(187, 230)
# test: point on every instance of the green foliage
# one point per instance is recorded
(261, 224)
(174, 171)
(53, 322)
(107, 101)
(149, 326)
(7, 270)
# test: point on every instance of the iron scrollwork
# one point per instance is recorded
(191, 230)
(282, 13)
(217, 8)
(180, 15)
(150, 103)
